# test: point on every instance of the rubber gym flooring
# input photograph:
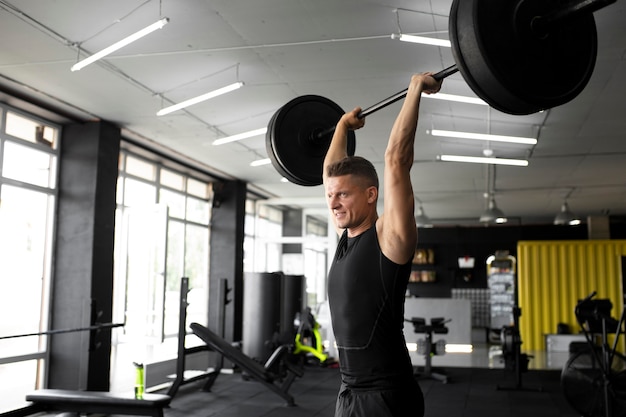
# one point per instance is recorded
(470, 392)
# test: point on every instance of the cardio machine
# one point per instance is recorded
(594, 379)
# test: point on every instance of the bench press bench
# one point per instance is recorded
(265, 374)
(98, 402)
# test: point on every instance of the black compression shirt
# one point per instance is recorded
(366, 295)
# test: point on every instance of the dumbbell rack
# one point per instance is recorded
(437, 326)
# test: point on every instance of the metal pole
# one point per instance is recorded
(79, 329)
(390, 100)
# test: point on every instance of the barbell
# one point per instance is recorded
(95, 327)
(519, 56)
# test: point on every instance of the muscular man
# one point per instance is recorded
(369, 275)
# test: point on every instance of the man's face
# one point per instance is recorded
(348, 200)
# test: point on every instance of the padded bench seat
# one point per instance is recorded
(266, 374)
(98, 402)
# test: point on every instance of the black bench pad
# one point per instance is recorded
(99, 402)
(254, 369)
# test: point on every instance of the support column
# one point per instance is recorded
(226, 259)
(82, 292)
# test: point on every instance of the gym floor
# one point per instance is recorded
(470, 392)
(482, 388)
(477, 391)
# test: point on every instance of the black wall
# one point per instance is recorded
(450, 243)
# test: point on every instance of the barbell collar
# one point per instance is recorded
(542, 25)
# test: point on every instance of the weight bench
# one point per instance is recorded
(426, 347)
(98, 402)
(270, 374)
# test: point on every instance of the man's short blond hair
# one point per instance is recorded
(356, 166)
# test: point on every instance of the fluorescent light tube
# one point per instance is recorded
(482, 136)
(260, 162)
(459, 99)
(200, 98)
(421, 39)
(120, 44)
(484, 160)
(244, 135)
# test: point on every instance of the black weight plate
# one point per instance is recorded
(512, 68)
(292, 143)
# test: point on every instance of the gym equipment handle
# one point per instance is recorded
(390, 100)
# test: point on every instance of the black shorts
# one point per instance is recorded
(407, 401)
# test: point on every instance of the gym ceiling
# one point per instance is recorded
(341, 50)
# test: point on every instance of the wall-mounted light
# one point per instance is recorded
(120, 44)
(200, 98)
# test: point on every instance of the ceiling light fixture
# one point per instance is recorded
(421, 39)
(458, 99)
(260, 162)
(120, 44)
(566, 217)
(240, 136)
(484, 160)
(483, 136)
(493, 214)
(421, 219)
(200, 98)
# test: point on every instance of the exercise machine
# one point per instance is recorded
(594, 379)
(426, 346)
(308, 340)
(512, 354)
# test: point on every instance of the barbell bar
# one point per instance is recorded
(519, 56)
(98, 326)
(390, 100)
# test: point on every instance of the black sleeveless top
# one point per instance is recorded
(366, 294)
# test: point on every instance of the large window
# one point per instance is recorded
(263, 229)
(264, 241)
(315, 251)
(28, 175)
(162, 235)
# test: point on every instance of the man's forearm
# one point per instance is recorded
(338, 148)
